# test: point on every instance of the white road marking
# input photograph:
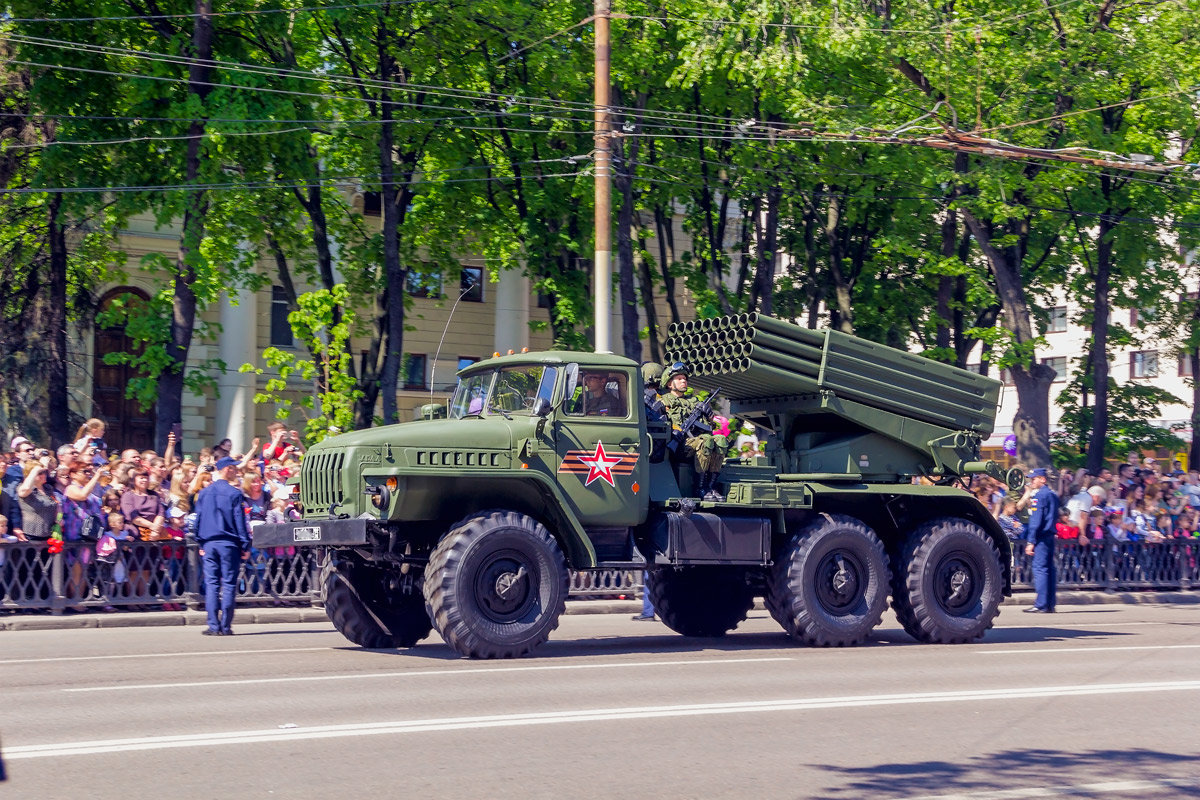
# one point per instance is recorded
(421, 673)
(161, 655)
(1088, 789)
(1114, 648)
(580, 716)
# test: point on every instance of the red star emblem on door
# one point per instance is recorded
(600, 465)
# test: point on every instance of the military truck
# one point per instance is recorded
(548, 462)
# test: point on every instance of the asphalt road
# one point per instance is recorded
(1096, 701)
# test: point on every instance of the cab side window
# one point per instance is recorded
(600, 394)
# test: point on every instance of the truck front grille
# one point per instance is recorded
(321, 481)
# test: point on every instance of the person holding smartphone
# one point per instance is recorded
(39, 504)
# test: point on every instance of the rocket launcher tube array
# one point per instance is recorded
(776, 359)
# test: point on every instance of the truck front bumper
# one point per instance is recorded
(316, 533)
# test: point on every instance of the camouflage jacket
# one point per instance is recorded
(679, 409)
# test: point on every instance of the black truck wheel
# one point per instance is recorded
(948, 584)
(700, 600)
(362, 601)
(496, 585)
(829, 587)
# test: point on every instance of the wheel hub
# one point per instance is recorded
(839, 583)
(958, 579)
(503, 588)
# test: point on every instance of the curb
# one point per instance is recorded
(262, 616)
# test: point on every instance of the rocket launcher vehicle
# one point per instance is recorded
(843, 408)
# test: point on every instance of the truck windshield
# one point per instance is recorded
(507, 391)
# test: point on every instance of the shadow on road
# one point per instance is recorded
(1015, 770)
(659, 640)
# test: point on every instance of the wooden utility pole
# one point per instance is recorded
(602, 266)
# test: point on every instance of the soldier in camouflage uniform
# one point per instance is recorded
(708, 449)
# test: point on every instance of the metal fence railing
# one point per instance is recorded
(152, 573)
(1113, 566)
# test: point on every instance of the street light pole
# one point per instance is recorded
(602, 263)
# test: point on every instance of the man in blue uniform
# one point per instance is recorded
(1039, 537)
(224, 541)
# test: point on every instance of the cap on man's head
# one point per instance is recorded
(227, 462)
(17, 442)
(1039, 472)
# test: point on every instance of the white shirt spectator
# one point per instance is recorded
(1079, 506)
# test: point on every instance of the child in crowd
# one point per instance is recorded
(1096, 525)
(118, 528)
(1013, 528)
(1064, 527)
(1116, 526)
(1161, 529)
(1185, 528)
(279, 511)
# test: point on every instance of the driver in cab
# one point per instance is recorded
(597, 402)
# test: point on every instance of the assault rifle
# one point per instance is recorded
(694, 424)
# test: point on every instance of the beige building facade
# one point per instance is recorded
(447, 331)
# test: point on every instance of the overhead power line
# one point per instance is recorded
(246, 13)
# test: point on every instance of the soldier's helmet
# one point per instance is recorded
(652, 373)
(678, 368)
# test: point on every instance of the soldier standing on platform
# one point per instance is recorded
(709, 450)
(1039, 537)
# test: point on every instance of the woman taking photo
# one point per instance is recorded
(80, 504)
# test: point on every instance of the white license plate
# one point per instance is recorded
(306, 534)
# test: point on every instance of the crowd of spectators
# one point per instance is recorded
(85, 492)
(1142, 501)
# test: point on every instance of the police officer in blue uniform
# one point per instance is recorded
(1039, 537)
(224, 539)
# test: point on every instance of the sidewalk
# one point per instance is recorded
(250, 615)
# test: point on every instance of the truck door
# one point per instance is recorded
(602, 449)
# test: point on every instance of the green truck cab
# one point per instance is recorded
(549, 461)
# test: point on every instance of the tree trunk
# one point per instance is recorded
(762, 293)
(393, 338)
(1031, 423)
(58, 421)
(647, 287)
(842, 312)
(665, 235)
(183, 304)
(1099, 354)
(628, 151)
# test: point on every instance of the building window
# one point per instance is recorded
(1143, 364)
(1142, 316)
(281, 329)
(414, 371)
(1059, 365)
(372, 204)
(1185, 365)
(471, 284)
(1058, 320)
(423, 282)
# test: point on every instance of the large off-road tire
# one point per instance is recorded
(949, 582)
(700, 600)
(829, 586)
(348, 592)
(496, 585)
